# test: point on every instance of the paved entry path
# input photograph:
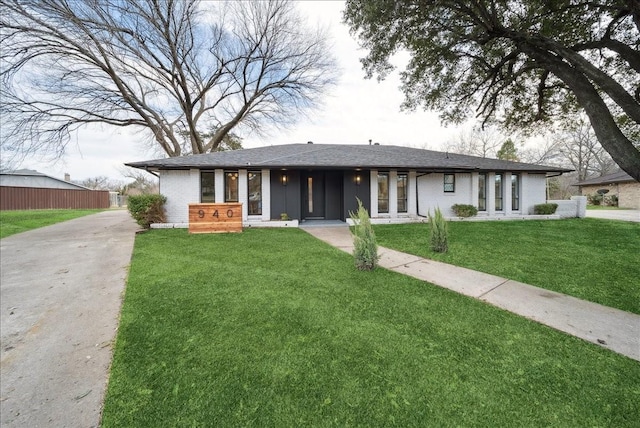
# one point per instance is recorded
(611, 328)
(60, 296)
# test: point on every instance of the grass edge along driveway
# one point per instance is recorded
(18, 221)
(273, 328)
(591, 259)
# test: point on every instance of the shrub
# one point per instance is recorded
(462, 210)
(545, 208)
(594, 199)
(439, 233)
(147, 209)
(613, 200)
(365, 248)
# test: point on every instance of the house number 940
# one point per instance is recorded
(215, 214)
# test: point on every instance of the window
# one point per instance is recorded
(383, 192)
(449, 183)
(402, 193)
(254, 184)
(207, 186)
(231, 186)
(515, 192)
(482, 192)
(498, 192)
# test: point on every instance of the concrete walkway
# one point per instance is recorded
(624, 215)
(60, 295)
(611, 328)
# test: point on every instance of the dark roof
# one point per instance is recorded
(341, 156)
(616, 177)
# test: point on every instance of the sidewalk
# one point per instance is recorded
(610, 328)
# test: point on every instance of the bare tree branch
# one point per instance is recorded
(166, 67)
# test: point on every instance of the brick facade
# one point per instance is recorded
(628, 193)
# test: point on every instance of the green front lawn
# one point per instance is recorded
(273, 328)
(592, 259)
(12, 222)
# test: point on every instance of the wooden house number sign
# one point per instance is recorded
(215, 218)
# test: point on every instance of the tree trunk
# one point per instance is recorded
(609, 135)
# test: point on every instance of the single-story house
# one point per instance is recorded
(32, 178)
(619, 184)
(26, 189)
(322, 181)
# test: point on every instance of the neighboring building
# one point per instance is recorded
(619, 184)
(322, 181)
(31, 178)
(26, 189)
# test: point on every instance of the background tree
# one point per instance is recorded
(508, 151)
(172, 68)
(579, 148)
(140, 182)
(517, 62)
(477, 141)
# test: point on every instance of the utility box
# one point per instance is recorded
(215, 218)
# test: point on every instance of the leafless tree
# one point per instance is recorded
(544, 152)
(100, 182)
(139, 181)
(580, 149)
(476, 141)
(167, 67)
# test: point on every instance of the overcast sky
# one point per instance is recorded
(355, 111)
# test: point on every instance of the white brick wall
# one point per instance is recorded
(431, 194)
(532, 192)
(181, 188)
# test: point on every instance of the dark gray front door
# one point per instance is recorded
(313, 191)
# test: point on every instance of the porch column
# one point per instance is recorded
(219, 185)
(374, 193)
(474, 189)
(412, 192)
(266, 194)
(491, 193)
(507, 193)
(243, 193)
(393, 193)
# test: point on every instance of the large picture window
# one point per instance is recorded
(449, 183)
(207, 187)
(231, 186)
(383, 192)
(515, 192)
(254, 183)
(482, 192)
(402, 193)
(498, 185)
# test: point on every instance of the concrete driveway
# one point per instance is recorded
(60, 295)
(625, 215)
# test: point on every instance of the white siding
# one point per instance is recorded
(431, 194)
(181, 188)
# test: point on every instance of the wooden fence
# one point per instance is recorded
(35, 198)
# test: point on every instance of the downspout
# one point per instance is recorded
(546, 182)
(152, 173)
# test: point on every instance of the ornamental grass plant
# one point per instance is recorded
(439, 232)
(365, 248)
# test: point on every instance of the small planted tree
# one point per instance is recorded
(365, 248)
(439, 234)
